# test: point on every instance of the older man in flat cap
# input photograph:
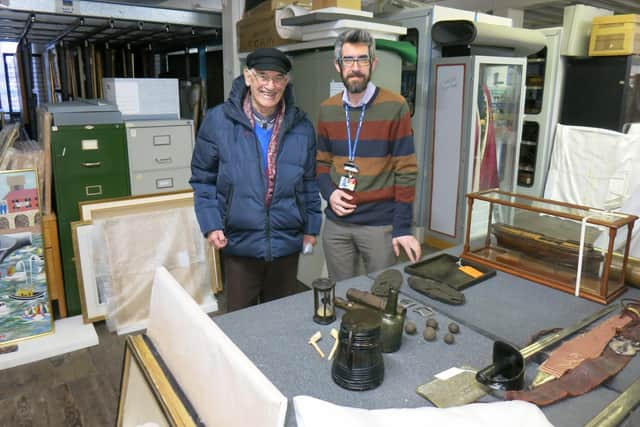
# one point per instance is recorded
(253, 176)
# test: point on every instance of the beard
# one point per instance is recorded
(355, 86)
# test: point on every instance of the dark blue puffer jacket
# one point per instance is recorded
(229, 181)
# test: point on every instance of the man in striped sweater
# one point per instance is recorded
(366, 166)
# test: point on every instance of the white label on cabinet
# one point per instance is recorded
(164, 183)
(89, 144)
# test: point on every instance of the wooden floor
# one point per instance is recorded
(72, 390)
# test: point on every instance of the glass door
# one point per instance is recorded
(497, 121)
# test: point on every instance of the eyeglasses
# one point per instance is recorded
(263, 79)
(349, 61)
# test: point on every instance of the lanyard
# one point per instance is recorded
(352, 149)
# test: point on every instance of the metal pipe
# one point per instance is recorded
(70, 28)
(27, 26)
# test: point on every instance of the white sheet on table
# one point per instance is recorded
(222, 384)
(312, 412)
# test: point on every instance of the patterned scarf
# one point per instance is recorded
(272, 150)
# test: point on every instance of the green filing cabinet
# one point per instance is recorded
(89, 163)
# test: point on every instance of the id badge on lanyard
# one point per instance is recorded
(348, 181)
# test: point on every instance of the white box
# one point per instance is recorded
(139, 99)
(576, 28)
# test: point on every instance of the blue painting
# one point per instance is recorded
(25, 307)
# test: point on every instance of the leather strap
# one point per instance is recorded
(591, 372)
(587, 376)
(585, 346)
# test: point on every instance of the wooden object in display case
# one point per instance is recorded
(53, 263)
(561, 245)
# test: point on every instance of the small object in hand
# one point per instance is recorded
(454, 328)
(410, 327)
(308, 249)
(429, 333)
(449, 339)
(432, 323)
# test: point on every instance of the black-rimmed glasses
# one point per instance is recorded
(362, 60)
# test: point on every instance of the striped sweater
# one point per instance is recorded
(385, 155)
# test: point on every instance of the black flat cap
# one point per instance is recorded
(269, 59)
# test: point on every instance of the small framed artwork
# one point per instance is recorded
(25, 307)
(92, 293)
(149, 395)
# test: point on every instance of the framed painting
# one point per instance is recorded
(25, 306)
(149, 395)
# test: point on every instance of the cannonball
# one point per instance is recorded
(449, 339)
(454, 328)
(429, 333)
(432, 323)
(410, 327)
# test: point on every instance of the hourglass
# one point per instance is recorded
(324, 297)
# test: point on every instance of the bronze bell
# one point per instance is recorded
(358, 364)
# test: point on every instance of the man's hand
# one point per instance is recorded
(217, 239)
(308, 239)
(339, 202)
(409, 244)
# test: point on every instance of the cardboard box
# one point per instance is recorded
(279, 4)
(143, 98)
(615, 35)
(258, 29)
(345, 4)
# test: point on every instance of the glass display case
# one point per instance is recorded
(478, 103)
(572, 248)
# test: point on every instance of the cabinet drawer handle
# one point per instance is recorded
(91, 164)
(163, 161)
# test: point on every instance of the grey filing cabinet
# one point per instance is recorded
(159, 155)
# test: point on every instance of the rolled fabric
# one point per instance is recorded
(462, 32)
(293, 32)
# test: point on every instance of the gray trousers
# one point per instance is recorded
(345, 243)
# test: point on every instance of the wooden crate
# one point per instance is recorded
(53, 262)
(258, 29)
(345, 4)
(615, 35)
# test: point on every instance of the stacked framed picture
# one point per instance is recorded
(25, 306)
(118, 244)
